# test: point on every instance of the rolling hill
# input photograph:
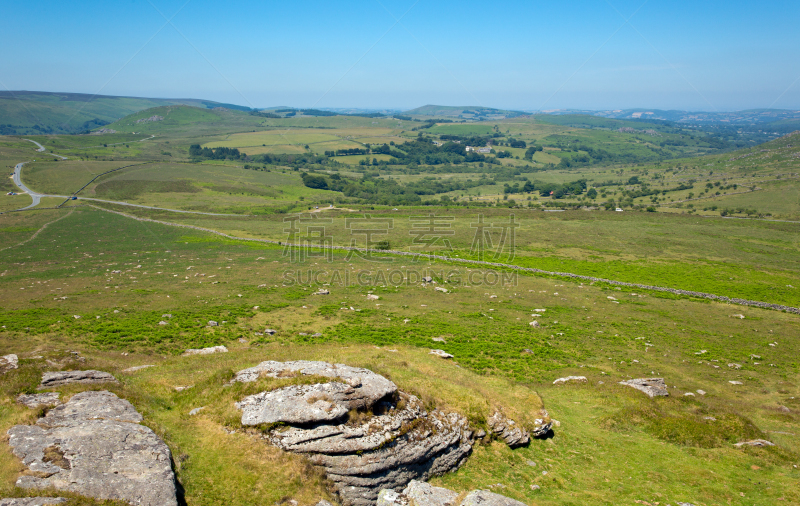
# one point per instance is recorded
(38, 112)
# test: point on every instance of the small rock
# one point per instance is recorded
(441, 353)
(56, 379)
(137, 368)
(34, 401)
(535, 487)
(441, 289)
(181, 389)
(688, 394)
(534, 324)
(323, 502)
(8, 363)
(166, 315)
(205, 351)
(371, 296)
(577, 379)
(486, 498)
(755, 442)
(270, 332)
(653, 387)
(508, 430)
(701, 392)
(196, 410)
(322, 291)
(162, 322)
(740, 316)
(784, 409)
(734, 382)
(735, 366)
(439, 340)
(316, 334)
(242, 340)
(212, 323)
(427, 279)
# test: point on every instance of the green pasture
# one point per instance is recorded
(611, 445)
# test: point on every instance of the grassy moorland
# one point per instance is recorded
(613, 444)
(86, 278)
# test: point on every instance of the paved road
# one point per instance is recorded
(18, 181)
(42, 149)
(38, 196)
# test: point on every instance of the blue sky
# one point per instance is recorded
(703, 55)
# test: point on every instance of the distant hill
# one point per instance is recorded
(39, 112)
(746, 117)
(475, 113)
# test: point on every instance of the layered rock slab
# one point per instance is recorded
(653, 387)
(58, 378)
(93, 445)
(367, 387)
(399, 443)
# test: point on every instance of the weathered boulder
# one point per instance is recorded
(508, 430)
(93, 445)
(400, 442)
(205, 351)
(58, 378)
(486, 498)
(653, 387)
(297, 404)
(34, 401)
(8, 363)
(422, 494)
(368, 387)
(31, 501)
(418, 493)
(575, 379)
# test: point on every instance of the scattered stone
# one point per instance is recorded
(441, 353)
(150, 119)
(735, 366)
(534, 324)
(653, 387)
(531, 463)
(701, 392)
(508, 430)
(441, 289)
(316, 334)
(734, 382)
(181, 389)
(740, 316)
(760, 443)
(322, 291)
(196, 410)
(784, 409)
(427, 279)
(439, 340)
(535, 487)
(137, 368)
(270, 332)
(423, 494)
(371, 296)
(205, 351)
(162, 323)
(8, 363)
(242, 340)
(323, 502)
(166, 315)
(94, 446)
(31, 501)
(688, 394)
(685, 504)
(34, 401)
(577, 379)
(58, 378)
(212, 323)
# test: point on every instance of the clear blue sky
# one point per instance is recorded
(693, 55)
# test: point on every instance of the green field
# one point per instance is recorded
(119, 268)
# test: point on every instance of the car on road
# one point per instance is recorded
(74, 198)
